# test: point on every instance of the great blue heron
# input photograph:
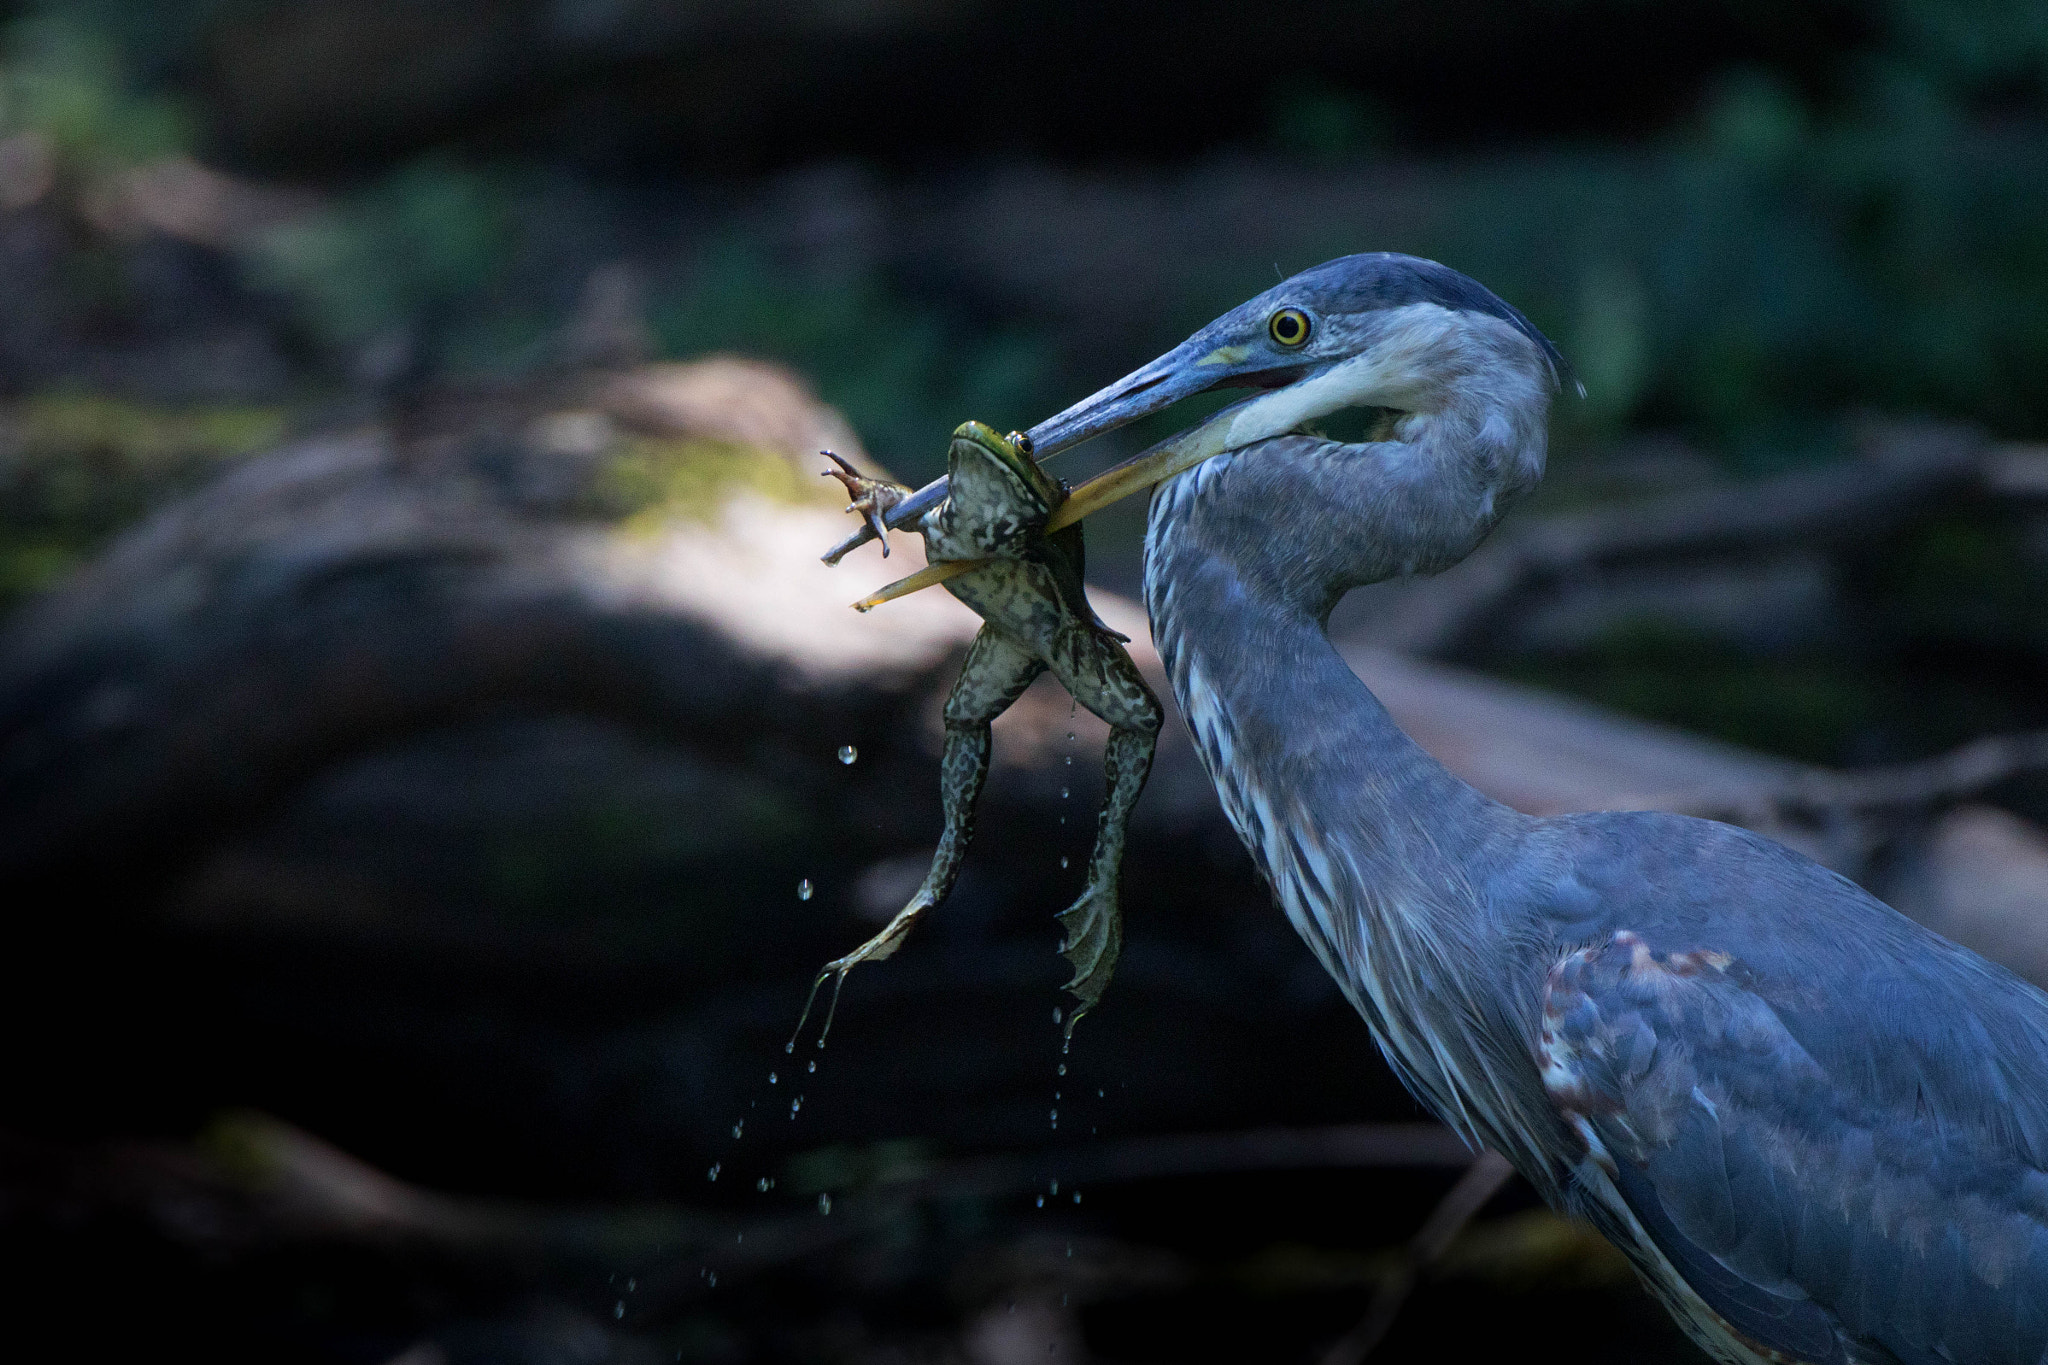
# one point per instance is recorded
(1818, 1130)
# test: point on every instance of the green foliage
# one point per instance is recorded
(427, 240)
(905, 375)
(68, 83)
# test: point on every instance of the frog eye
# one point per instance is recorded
(1289, 327)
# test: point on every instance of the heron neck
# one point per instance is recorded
(1377, 853)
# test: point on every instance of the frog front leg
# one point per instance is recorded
(995, 675)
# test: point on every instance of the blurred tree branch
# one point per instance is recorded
(1904, 471)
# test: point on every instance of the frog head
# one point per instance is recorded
(999, 498)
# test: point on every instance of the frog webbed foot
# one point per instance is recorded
(873, 499)
(1094, 940)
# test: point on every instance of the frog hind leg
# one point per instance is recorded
(1102, 677)
(995, 674)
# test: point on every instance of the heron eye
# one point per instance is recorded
(1289, 327)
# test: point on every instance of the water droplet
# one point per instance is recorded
(738, 1126)
(1041, 1201)
(1070, 760)
(795, 1105)
(771, 1078)
(1070, 736)
(1077, 1196)
(825, 1203)
(618, 1310)
(1055, 1014)
(1063, 1068)
(1063, 860)
(712, 1174)
(1055, 1095)
(1055, 1116)
(803, 889)
(1098, 1092)
(1070, 1251)
(812, 1065)
(712, 1279)
(847, 753)
(789, 1046)
(1055, 1188)
(764, 1184)
(1066, 792)
(631, 1285)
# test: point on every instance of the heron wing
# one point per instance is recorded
(1748, 1124)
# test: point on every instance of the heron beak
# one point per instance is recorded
(1195, 366)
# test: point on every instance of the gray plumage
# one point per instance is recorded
(1819, 1131)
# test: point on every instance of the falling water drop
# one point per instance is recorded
(803, 889)
(795, 1105)
(1070, 1251)
(1055, 1188)
(712, 1174)
(712, 1279)
(847, 753)
(1066, 792)
(737, 1127)
(1070, 760)
(1077, 1196)
(631, 1284)
(764, 1184)
(825, 1203)
(1055, 1118)
(1063, 861)
(1070, 736)
(789, 1046)
(1055, 1014)
(1041, 1201)
(771, 1078)
(618, 1310)
(1063, 1068)
(811, 1065)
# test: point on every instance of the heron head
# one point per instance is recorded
(1380, 331)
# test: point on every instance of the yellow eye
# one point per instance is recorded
(1289, 327)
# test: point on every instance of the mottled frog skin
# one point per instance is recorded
(1035, 617)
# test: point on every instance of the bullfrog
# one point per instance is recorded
(1027, 588)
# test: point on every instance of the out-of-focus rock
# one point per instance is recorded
(1982, 880)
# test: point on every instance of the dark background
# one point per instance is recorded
(403, 1020)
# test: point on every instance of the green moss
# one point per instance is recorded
(141, 437)
(648, 482)
(76, 468)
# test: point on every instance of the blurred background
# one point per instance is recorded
(433, 762)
